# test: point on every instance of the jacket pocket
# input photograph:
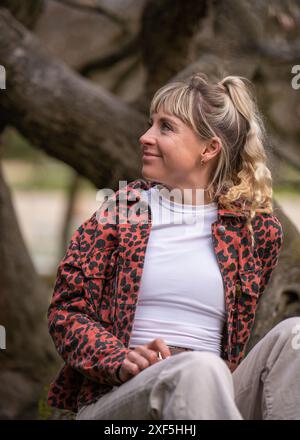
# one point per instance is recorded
(100, 271)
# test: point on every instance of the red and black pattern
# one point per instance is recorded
(92, 310)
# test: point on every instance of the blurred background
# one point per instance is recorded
(80, 75)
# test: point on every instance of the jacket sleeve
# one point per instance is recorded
(272, 248)
(73, 324)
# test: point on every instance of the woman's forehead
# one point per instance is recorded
(165, 113)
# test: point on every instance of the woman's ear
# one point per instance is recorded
(212, 148)
(216, 145)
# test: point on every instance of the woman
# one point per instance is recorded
(162, 334)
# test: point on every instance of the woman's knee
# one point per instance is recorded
(288, 327)
(287, 333)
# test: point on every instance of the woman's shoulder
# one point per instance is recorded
(268, 220)
(268, 227)
(100, 227)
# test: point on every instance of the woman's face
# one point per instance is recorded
(172, 153)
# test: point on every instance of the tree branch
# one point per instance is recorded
(107, 61)
(63, 114)
(26, 12)
(281, 52)
(243, 24)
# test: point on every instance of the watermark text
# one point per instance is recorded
(2, 77)
(2, 338)
(296, 79)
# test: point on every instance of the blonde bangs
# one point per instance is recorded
(176, 99)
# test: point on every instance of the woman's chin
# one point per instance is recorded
(148, 175)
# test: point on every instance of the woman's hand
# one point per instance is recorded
(142, 357)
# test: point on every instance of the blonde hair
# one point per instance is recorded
(227, 110)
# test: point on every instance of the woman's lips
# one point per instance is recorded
(149, 156)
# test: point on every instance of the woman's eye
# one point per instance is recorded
(165, 125)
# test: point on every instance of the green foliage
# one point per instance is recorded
(48, 413)
(17, 147)
(29, 168)
(45, 411)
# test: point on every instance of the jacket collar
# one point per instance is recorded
(135, 187)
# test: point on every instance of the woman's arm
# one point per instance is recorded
(271, 251)
(73, 322)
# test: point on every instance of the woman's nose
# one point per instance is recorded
(147, 139)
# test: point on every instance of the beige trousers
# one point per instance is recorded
(196, 385)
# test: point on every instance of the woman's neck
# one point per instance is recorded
(186, 196)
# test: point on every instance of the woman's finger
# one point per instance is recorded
(147, 353)
(128, 370)
(159, 345)
(138, 359)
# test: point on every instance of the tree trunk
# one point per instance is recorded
(29, 360)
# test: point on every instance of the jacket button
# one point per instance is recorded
(221, 229)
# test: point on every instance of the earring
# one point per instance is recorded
(202, 161)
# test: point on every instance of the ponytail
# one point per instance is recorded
(255, 185)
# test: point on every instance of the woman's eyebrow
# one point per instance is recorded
(165, 119)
